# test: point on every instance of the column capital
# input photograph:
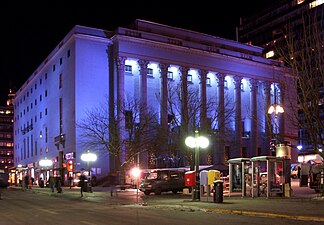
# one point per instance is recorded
(254, 83)
(221, 78)
(120, 60)
(237, 82)
(183, 70)
(164, 67)
(142, 63)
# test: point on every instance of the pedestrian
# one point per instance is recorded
(51, 182)
(41, 183)
(26, 181)
(70, 181)
(82, 183)
(58, 184)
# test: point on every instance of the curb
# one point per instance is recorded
(264, 214)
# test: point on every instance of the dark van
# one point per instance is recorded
(4, 177)
(162, 180)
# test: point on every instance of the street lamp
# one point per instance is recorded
(47, 163)
(89, 157)
(136, 172)
(275, 109)
(196, 142)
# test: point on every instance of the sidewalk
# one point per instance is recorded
(304, 204)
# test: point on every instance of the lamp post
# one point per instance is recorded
(136, 172)
(46, 163)
(275, 109)
(89, 157)
(196, 143)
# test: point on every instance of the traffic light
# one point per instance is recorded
(70, 166)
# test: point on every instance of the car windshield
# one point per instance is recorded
(151, 176)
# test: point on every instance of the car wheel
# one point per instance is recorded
(158, 191)
(174, 191)
(147, 192)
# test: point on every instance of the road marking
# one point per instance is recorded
(86, 222)
(240, 212)
(49, 211)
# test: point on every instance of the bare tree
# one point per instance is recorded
(103, 133)
(302, 50)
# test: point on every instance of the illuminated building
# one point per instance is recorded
(140, 62)
(6, 133)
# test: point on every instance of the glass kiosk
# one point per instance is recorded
(267, 176)
(238, 173)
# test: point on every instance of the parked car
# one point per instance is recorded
(162, 180)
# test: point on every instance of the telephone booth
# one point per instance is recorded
(267, 176)
(238, 174)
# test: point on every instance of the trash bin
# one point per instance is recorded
(218, 191)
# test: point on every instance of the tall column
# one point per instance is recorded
(184, 99)
(203, 114)
(184, 109)
(268, 126)
(281, 116)
(238, 116)
(203, 99)
(164, 95)
(143, 72)
(143, 110)
(219, 152)
(164, 105)
(254, 116)
(120, 61)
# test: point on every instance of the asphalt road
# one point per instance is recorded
(40, 206)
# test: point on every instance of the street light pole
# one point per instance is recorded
(196, 143)
(197, 189)
(87, 157)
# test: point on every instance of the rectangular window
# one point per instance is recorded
(208, 81)
(45, 93)
(68, 53)
(61, 61)
(54, 67)
(40, 81)
(61, 115)
(189, 78)
(170, 75)
(60, 81)
(149, 72)
(225, 84)
(128, 119)
(128, 68)
(27, 147)
(35, 147)
(45, 111)
(45, 76)
(46, 134)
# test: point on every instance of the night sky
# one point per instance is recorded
(28, 36)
